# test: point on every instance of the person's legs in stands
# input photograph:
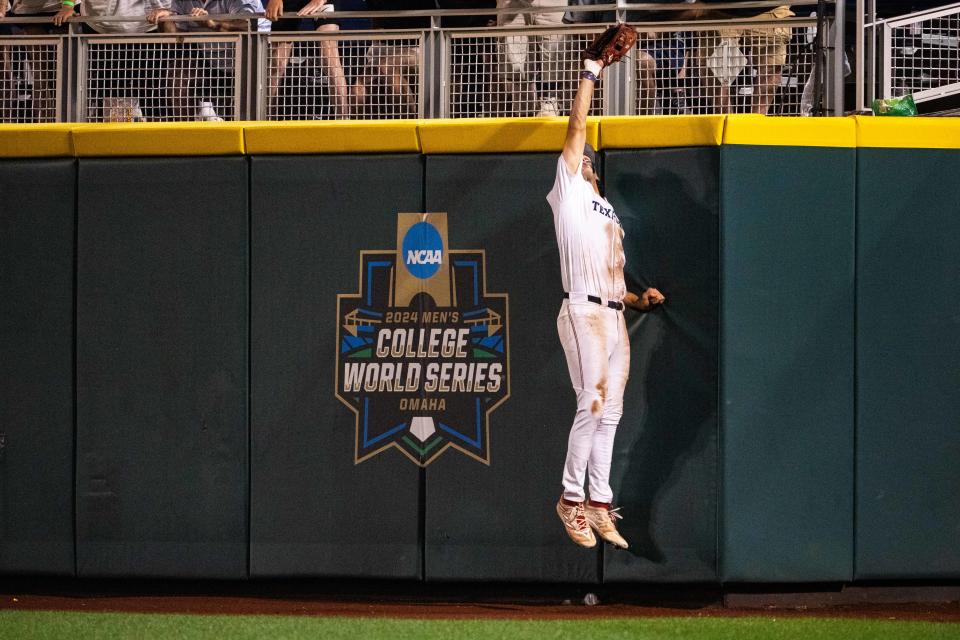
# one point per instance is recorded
(7, 91)
(183, 80)
(768, 49)
(393, 64)
(768, 55)
(38, 71)
(515, 52)
(352, 54)
(647, 80)
(279, 54)
(330, 57)
(548, 57)
(715, 90)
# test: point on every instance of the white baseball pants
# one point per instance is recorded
(597, 348)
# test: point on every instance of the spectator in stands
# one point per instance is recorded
(477, 59)
(61, 10)
(122, 80)
(720, 61)
(646, 63)
(664, 73)
(531, 63)
(661, 56)
(467, 22)
(158, 9)
(394, 64)
(213, 91)
(307, 10)
(33, 67)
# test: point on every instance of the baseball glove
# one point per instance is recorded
(611, 45)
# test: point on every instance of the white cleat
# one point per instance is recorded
(601, 520)
(576, 525)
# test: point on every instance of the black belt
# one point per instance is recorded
(613, 304)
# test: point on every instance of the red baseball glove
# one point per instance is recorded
(611, 45)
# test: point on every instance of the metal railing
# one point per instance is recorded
(526, 72)
(757, 67)
(921, 54)
(160, 78)
(325, 77)
(31, 79)
(677, 68)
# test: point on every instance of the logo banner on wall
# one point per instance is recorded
(423, 353)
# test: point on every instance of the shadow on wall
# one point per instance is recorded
(666, 449)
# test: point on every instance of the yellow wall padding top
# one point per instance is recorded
(388, 136)
(790, 132)
(36, 140)
(642, 132)
(908, 132)
(159, 139)
(499, 135)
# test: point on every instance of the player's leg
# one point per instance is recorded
(598, 510)
(618, 369)
(584, 346)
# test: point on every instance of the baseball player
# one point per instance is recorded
(591, 324)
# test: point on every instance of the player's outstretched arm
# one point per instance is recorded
(577, 127)
(646, 301)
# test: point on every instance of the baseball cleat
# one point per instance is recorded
(600, 519)
(575, 522)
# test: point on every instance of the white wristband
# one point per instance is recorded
(592, 66)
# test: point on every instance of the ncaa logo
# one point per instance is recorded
(422, 250)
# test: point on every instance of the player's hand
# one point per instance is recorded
(154, 15)
(593, 66)
(198, 11)
(274, 10)
(63, 15)
(650, 299)
(312, 8)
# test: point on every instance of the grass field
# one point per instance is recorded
(51, 624)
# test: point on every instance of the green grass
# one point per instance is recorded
(65, 625)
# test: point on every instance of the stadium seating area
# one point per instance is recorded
(173, 60)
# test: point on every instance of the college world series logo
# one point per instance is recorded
(423, 353)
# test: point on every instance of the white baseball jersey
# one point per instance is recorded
(589, 237)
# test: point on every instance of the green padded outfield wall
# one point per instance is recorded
(908, 363)
(173, 341)
(787, 334)
(162, 287)
(314, 512)
(37, 210)
(664, 468)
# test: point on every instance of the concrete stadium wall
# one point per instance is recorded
(170, 398)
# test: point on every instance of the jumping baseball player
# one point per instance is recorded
(591, 324)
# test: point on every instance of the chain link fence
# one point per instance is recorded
(30, 79)
(160, 78)
(741, 68)
(518, 73)
(676, 68)
(324, 77)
